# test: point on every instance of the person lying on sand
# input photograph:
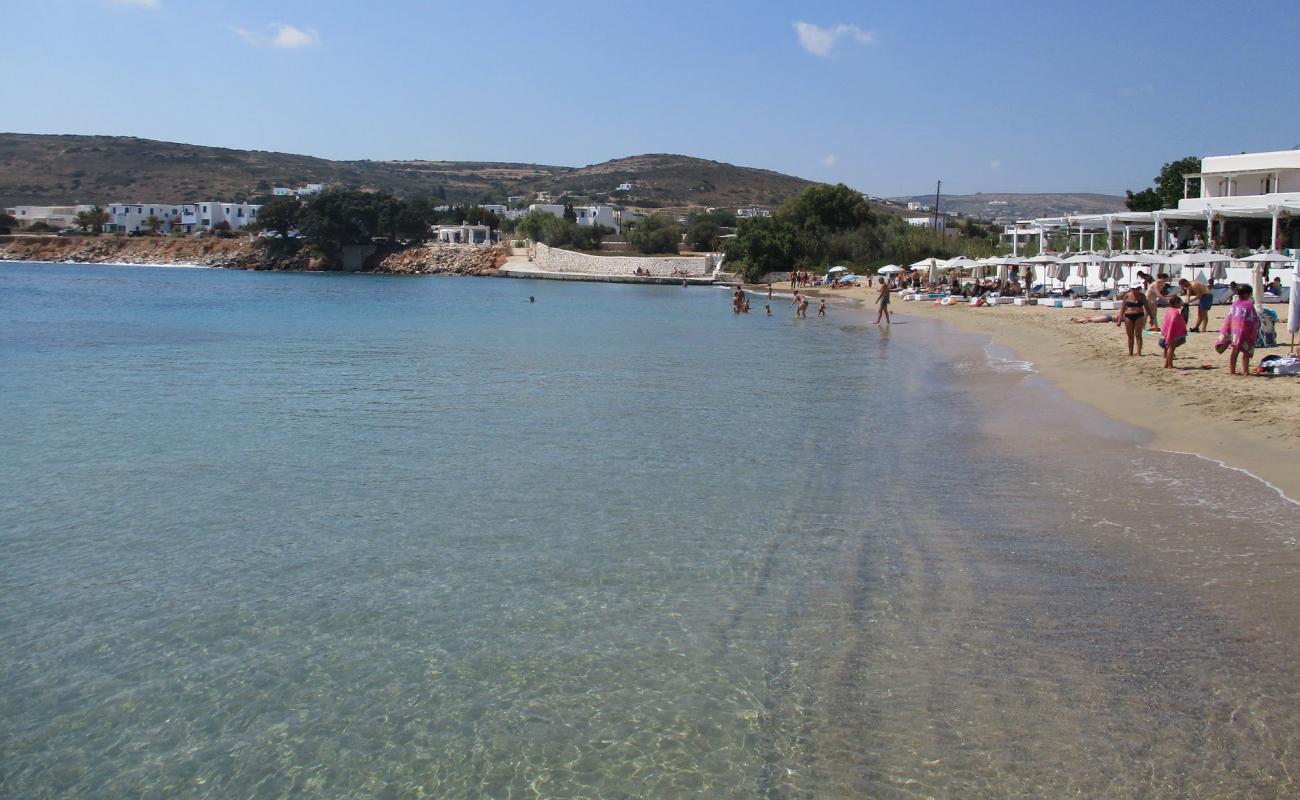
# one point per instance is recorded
(1094, 318)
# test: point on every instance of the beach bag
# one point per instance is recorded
(1267, 328)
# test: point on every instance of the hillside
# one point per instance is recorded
(671, 180)
(1004, 206)
(40, 169)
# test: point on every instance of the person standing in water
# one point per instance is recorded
(882, 299)
(821, 308)
(802, 311)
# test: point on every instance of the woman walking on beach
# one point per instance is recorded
(1239, 331)
(1136, 310)
(882, 299)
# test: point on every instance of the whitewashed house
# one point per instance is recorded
(134, 217)
(554, 209)
(499, 210)
(208, 214)
(598, 215)
(626, 187)
(463, 234)
(750, 213)
(54, 216)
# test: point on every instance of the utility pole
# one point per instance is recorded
(937, 184)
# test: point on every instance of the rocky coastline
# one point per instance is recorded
(250, 254)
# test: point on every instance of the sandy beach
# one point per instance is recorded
(1251, 423)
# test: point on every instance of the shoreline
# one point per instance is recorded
(1088, 364)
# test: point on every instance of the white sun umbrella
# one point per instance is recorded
(837, 269)
(1268, 258)
(1218, 263)
(1118, 262)
(889, 269)
(1148, 259)
(1046, 260)
(1080, 263)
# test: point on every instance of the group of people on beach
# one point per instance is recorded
(1238, 336)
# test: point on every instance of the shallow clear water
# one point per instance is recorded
(351, 536)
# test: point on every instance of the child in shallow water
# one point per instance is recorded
(1173, 332)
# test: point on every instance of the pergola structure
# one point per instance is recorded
(1131, 222)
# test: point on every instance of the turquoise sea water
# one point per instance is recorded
(269, 535)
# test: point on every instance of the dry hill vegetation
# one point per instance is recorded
(997, 205)
(41, 169)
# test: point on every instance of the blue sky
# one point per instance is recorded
(886, 97)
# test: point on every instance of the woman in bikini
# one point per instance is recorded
(1135, 312)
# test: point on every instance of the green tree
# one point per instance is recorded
(477, 215)
(1168, 189)
(153, 223)
(821, 211)
(657, 234)
(762, 245)
(92, 220)
(702, 233)
(338, 218)
(280, 216)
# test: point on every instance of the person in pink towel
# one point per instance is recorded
(1239, 331)
(1173, 332)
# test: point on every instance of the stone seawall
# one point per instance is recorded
(553, 259)
(244, 253)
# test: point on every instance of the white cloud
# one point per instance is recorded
(283, 36)
(141, 3)
(829, 161)
(995, 164)
(293, 38)
(245, 34)
(821, 41)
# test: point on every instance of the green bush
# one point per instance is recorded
(655, 235)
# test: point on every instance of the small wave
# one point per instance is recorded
(1225, 465)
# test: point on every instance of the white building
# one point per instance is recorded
(499, 210)
(927, 222)
(598, 215)
(463, 234)
(1245, 180)
(750, 213)
(626, 187)
(134, 217)
(54, 216)
(211, 213)
(554, 209)
(301, 191)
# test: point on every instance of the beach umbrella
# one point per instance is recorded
(1062, 272)
(1268, 258)
(889, 269)
(1257, 283)
(961, 262)
(837, 269)
(932, 274)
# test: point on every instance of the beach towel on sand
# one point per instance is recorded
(1240, 328)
